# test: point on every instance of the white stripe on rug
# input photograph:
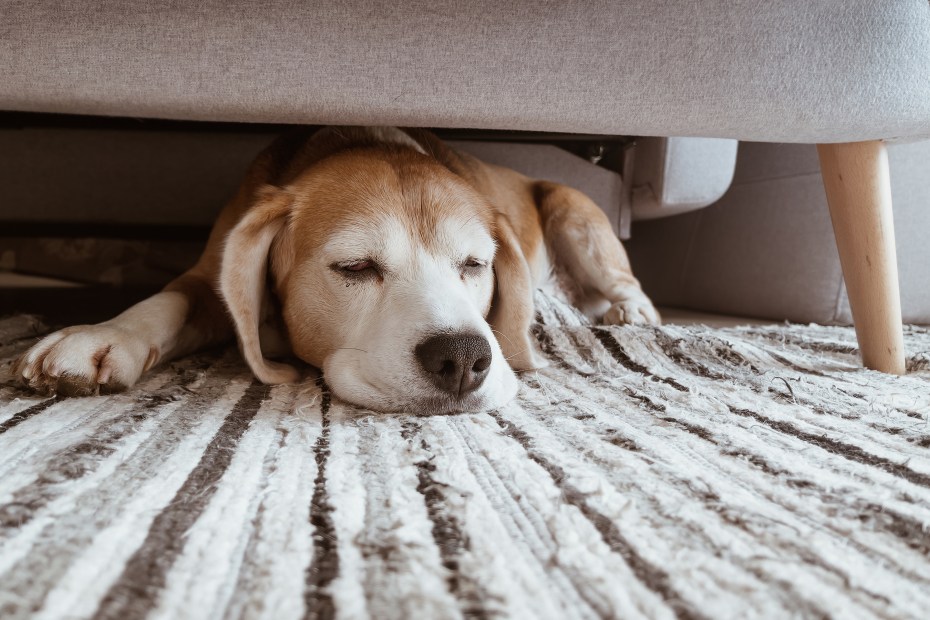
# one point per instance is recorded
(271, 581)
(205, 571)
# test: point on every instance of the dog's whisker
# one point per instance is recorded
(467, 222)
(502, 334)
(351, 349)
(515, 354)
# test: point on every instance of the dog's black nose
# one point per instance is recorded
(456, 363)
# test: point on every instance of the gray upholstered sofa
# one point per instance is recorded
(846, 74)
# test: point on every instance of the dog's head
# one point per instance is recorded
(384, 262)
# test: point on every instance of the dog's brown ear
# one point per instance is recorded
(512, 310)
(243, 276)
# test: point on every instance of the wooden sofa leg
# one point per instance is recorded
(855, 176)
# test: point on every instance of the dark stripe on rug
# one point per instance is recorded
(75, 461)
(324, 565)
(610, 343)
(25, 414)
(548, 347)
(651, 576)
(784, 361)
(723, 350)
(917, 363)
(583, 348)
(910, 531)
(650, 404)
(819, 346)
(555, 352)
(847, 451)
(778, 340)
(671, 348)
(693, 429)
(136, 591)
(447, 534)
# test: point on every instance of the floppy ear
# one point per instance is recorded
(243, 274)
(512, 311)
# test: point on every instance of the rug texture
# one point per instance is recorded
(681, 472)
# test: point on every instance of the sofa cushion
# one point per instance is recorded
(770, 70)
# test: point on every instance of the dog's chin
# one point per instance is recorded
(445, 405)
(407, 392)
(437, 403)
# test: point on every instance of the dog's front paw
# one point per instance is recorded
(85, 360)
(635, 311)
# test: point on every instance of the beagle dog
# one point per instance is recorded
(403, 269)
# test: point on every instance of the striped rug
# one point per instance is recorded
(680, 472)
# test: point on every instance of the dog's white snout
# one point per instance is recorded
(456, 363)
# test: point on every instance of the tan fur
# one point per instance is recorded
(261, 263)
(512, 310)
(243, 273)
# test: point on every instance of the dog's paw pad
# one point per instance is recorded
(84, 361)
(632, 312)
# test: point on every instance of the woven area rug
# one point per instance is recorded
(682, 472)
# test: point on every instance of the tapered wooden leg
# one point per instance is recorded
(855, 176)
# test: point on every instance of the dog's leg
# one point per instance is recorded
(585, 249)
(111, 356)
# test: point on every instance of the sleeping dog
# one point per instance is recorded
(402, 268)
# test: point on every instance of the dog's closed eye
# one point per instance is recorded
(472, 266)
(358, 269)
